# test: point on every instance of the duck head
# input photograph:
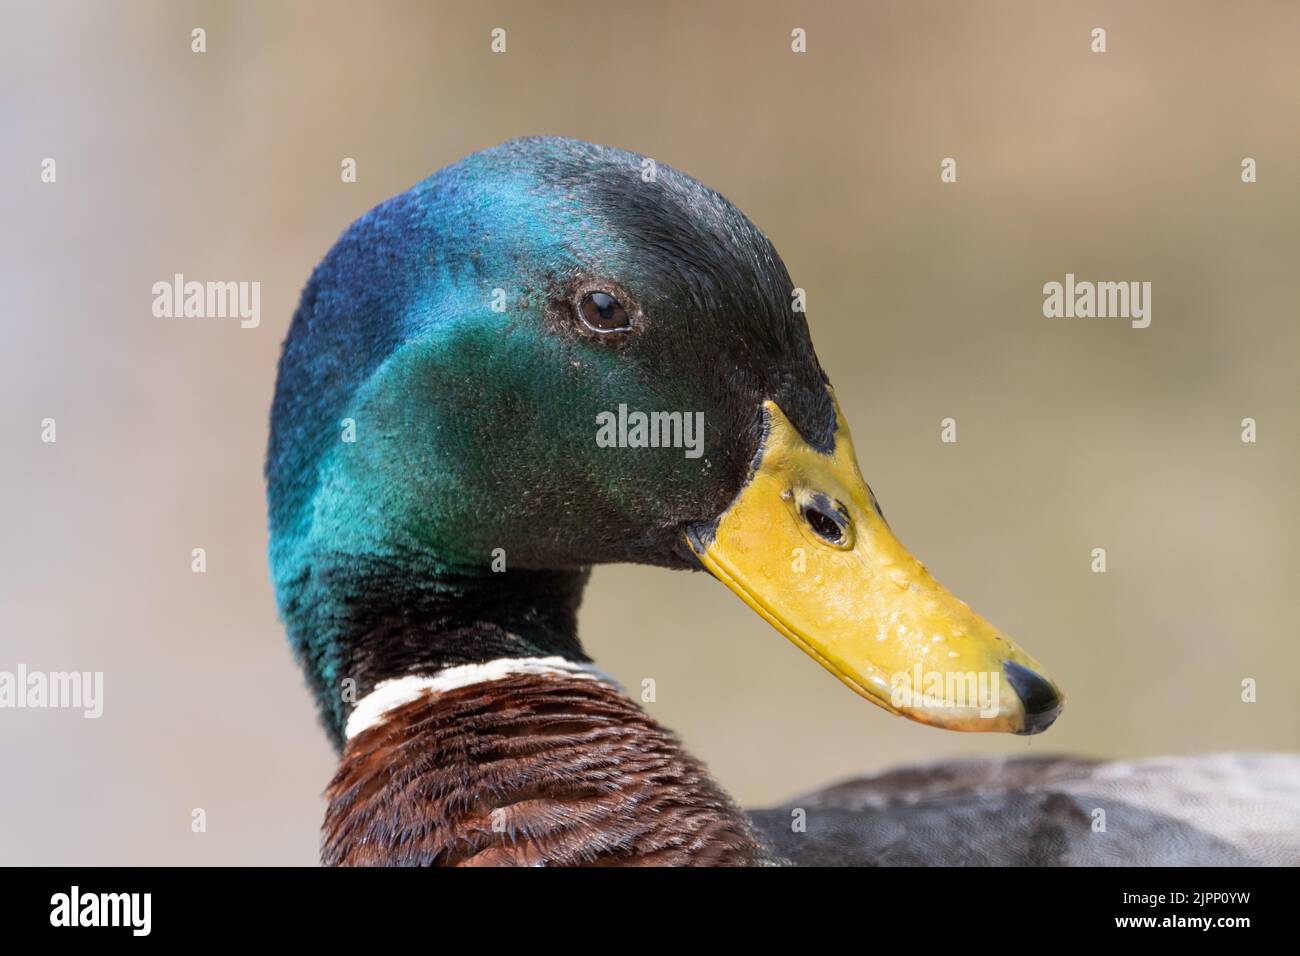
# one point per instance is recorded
(556, 354)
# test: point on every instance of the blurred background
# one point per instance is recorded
(925, 302)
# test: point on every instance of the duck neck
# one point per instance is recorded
(360, 620)
(482, 734)
(423, 624)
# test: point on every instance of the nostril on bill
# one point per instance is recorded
(828, 518)
(1039, 697)
(824, 525)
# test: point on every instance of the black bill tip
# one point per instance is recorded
(1040, 698)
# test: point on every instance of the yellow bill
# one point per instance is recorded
(805, 545)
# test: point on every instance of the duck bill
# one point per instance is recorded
(805, 545)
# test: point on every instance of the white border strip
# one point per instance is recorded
(387, 695)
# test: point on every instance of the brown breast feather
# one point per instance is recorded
(527, 770)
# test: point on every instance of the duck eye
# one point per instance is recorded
(601, 312)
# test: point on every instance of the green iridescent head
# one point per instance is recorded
(452, 381)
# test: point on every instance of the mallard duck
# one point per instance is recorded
(548, 356)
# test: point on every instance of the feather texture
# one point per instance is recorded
(528, 770)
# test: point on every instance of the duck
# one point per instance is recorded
(541, 359)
